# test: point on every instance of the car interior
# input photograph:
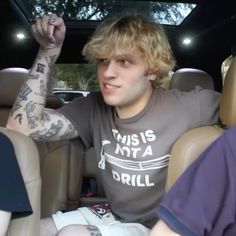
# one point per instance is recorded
(28, 159)
(62, 175)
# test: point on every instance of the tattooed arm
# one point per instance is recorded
(28, 114)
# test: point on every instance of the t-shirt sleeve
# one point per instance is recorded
(209, 106)
(80, 112)
(203, 199)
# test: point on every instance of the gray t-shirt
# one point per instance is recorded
(133, 153)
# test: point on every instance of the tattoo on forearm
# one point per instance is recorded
(35, 61)
(17, 105)
(46, 116)
(51, 61)
(19, 117)
(22, 96)
(70, 132)
(40, 68)
(93, 230)
(42, 88)
(30, 107)
(24, 92)
(45, 134)
(34, 77)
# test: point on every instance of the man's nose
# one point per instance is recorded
(110, 71)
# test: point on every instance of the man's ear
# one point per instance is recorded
(152, 77)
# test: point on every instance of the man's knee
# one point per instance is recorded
(81, 230)
(47, 227)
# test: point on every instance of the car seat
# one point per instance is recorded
(185, 79)
(11, 80)
(28, 159)
(190, 145)
(225, 66)
(63, 163)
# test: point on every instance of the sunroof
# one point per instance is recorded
(169, 13)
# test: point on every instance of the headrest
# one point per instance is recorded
(187, 79)
(53, 102)
(225, 66)
(228, 98)
(11, 80)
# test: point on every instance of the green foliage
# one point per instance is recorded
(78, 76)
(159, 11)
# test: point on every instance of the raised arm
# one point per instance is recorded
(28, 114)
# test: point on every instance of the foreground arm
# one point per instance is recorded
(29, 115)
(202, 200)
(162, 229)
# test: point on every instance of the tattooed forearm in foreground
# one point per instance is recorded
(28, 114)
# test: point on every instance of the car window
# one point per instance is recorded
(76, 77)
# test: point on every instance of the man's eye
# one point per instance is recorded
(102, 61)
(123, 61)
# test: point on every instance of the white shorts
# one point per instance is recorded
(101, 217)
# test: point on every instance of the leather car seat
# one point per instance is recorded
(61, 162)
(190, 145)
(11, 79)
(225, 66)
(28, 159)
(185, 79)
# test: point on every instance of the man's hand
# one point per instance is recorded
(49, 31)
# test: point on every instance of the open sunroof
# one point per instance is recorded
(168, 13)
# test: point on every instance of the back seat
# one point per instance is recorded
(186, 79)
(64, 164)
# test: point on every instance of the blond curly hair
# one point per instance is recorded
(133, 32)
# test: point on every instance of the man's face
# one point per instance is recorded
(123, 82)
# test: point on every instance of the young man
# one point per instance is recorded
(13, 196)
(131, 124)
(203, 200)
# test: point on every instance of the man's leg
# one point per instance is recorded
(86, 222)
(81, 230)
(47, 227)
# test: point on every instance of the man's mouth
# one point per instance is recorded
(110, 86)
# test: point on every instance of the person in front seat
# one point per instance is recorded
(203, 199)
(131, 124)
(13, 197)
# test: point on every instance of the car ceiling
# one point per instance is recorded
(211, 24)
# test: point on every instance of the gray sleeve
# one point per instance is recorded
(79, 113)
(209, 101)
